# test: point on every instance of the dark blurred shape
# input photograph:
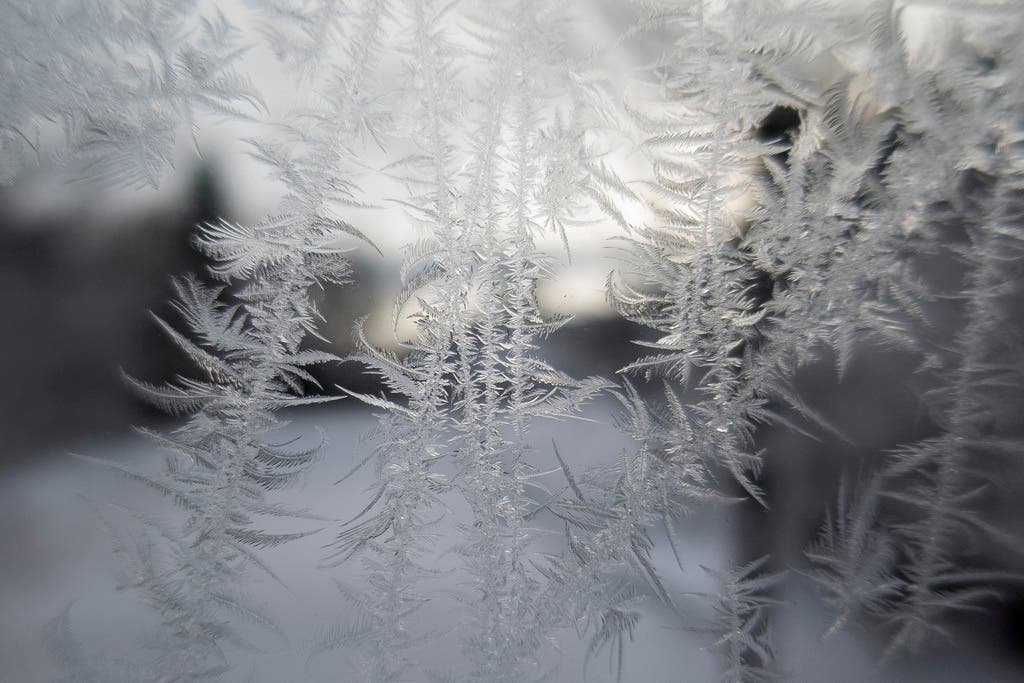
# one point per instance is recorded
(595, 346)
(782, 123)
(74, 300)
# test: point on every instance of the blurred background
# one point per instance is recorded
(83, 267)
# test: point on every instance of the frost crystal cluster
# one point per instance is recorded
(796, 186)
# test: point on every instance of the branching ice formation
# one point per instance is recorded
(752, 256)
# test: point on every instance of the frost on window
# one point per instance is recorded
(514, 340)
